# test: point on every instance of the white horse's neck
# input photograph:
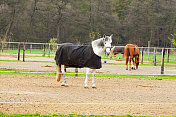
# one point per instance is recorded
(98, 50)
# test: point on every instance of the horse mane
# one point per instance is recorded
(97, 46)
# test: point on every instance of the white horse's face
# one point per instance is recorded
(107, 43)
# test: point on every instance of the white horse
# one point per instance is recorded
(71, 55)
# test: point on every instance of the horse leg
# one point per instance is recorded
(117, 56)
(123, 56)
(93, 78)
(87, 76)
(110, 55)
(130, 62)
(64, 83)
(127, 58)
(133, 67)
(58, 74)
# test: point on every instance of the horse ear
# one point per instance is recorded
(111, 35)
(104, 36)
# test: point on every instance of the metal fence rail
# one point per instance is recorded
(48, 49)
(31, 48)
(154, 55)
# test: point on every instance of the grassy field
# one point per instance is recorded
(52, 73)
(39, 53)
(172, 58)
(34, 51)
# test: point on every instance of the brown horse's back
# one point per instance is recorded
(131, 50)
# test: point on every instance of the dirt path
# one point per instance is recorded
(43, 95)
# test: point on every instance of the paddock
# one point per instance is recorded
(117, 96)
(41, 94)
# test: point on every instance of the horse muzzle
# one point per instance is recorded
(108, 50)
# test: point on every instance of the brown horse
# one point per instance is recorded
(116, 50)
(132, 50)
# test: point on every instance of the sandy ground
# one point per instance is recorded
(119, 96)
(113, 69)
(43, 95)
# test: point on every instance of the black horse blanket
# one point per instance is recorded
(79, 56)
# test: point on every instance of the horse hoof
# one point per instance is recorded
(94, 87)
(64, 84)
(86, 87)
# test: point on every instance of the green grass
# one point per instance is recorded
(51, 56)
(172, 58)
(34, 51)
(61, 115)
(53, 73)
(159, 64)
(29, 61)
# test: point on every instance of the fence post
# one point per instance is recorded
(168, 52)
(148, 50)
(142, 53)
(49, 50)
(43, 49)
(30, 48)
(24, 47)
(162, 62)
(76, 71)
(155, 56)
(2, 47)
(19, 46)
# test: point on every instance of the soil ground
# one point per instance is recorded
(43, 95)
(119, 96)
(113, 69)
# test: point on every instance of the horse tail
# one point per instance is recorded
(126, 51)
(112, 50)
(58, 74)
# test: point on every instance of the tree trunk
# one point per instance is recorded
(9, 25)
(59, 24)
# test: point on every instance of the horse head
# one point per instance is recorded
(137, 61)
(102, 44)
(107, 40)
